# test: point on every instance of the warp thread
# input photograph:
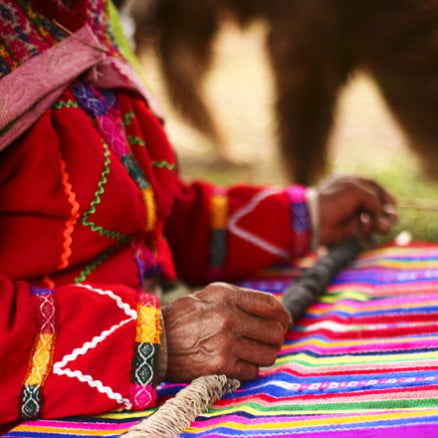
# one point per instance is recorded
(180, 411)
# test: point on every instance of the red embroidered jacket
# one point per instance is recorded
(90, 207)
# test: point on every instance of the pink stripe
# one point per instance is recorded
(315, 371)
(368, 347)
(418, 300)
(426, 287)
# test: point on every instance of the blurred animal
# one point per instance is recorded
(313, 46)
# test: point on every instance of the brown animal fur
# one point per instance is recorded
(313, 47)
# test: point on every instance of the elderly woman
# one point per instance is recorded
(93, 215)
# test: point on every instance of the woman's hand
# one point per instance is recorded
(351, 205)
(223, 329)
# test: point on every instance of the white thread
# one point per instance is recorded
(80, 351)
(121, 304)
(250, 237)
(59, 367)
(94, 383)
(47, 309)
(170, 420)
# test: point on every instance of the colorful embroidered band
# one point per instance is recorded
(42, 354)
(218, 239)
(300, 219)
(103, 109)
(147, 344)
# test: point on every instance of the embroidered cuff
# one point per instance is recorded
(300, 220)
(147, 348)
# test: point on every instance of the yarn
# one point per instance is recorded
(177, 413)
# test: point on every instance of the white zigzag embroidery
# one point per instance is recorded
(59, 367)
(250, 237)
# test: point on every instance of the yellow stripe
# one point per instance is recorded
(403, 264)
(148, 324)
(397, 251)
(41, 359)
(348, 294)
(219, 213)
(148, 196)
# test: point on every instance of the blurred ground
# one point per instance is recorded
(365, 139)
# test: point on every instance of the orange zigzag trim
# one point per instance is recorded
(74, 217)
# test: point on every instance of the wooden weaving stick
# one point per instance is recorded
(179, 412)
(306, 289)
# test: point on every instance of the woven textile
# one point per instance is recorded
(363, 362)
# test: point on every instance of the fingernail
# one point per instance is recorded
(364, 218)
(390, 209)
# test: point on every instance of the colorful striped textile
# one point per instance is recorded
(362, 362)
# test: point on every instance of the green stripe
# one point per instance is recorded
(98, 261)
(65, 104)
(97, 200)
(128, 117)
(135, 140)
(163, 164)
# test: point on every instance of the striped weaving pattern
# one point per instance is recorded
(362, 362)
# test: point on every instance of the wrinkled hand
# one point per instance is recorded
(352, 205)
(223, 329)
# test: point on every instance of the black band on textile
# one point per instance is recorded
(306, 289)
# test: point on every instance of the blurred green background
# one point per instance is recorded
(365, 140)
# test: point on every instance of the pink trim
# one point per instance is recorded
(296, 193)
(142, 397)
(33, 87)
(28, 118)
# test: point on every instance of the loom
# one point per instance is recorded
(361, 361)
